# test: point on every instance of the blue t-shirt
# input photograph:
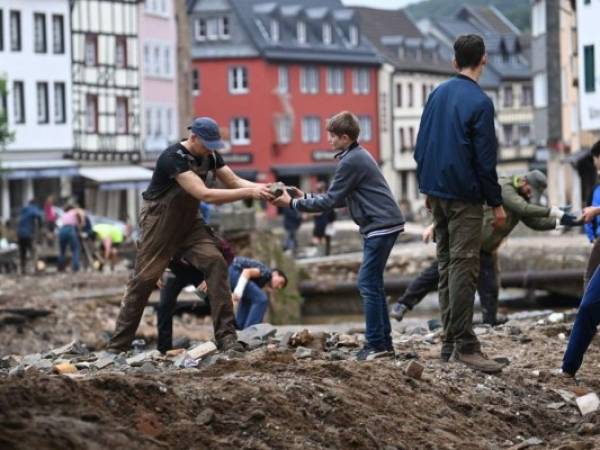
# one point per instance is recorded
(240, 263)
(29, 215)
(592, 229)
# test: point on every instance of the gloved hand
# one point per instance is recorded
(556, 212)
(570, 220)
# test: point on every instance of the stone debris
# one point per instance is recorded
(301, 339)
(73, 347)
(556, 317)
(588, 403)
(64, 368)
(202, 350)
(257, 335)
(531, 442)
(303, 353)
(140, 358)
(414, 370)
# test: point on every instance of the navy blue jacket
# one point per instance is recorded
(457, 149)
(30, 214)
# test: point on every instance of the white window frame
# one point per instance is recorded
(540, 90)
(169, 123)
(58, 34)
(301, 32)
(91, 115)
(240, 131)
(121, 57)
(157, 132)
(167, 61)
(40, 41)
(238, 80)
(224, 27)
(156, 53)
(284, 130)
(309, 80)
(274, 30)
(147, 59)
(148, 116)
(366, 128)
(43, 113)
(361, 81)
(283, 83)
(212, 28)
(538, 18)
(121, 110)
(60, 103)
(311, 129)
(327, 34)
(200, 29)
(353, 37)
(195, 81)
(335, 80)
(91, 44)
(19, 101)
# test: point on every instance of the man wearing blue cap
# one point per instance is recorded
(170, 224)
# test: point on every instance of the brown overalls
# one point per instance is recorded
(171, 225)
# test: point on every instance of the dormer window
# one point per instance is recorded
(212, 29)
(274, 32)
(353, 35)
(401, 53)
(224, 27)
(327, 36)
(301, 33)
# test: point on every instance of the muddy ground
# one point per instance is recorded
(270, 398)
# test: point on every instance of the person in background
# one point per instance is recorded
(292, 220)
(248, 277)
(50, 219)
(110, 237)
(592, 228)
(30, 219)
(323, 223)
(68, 236)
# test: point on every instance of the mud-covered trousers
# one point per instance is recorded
(169, 226)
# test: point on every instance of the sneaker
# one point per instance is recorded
(398, 311)
(479, 361)
(370, 353)
(230, 343)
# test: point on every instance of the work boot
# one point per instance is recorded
(447, 350)
(398, 311)
(478, 361)
(230, 343)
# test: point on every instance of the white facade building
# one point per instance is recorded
(588, 18)
(35, 60)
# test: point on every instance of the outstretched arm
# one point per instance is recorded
(193, 185)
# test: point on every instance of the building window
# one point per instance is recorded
(39, 33)
(301, 32)
(538, 18)
(327, 34)
(366, 130)
(158, 122)
(148, 121)
(91, 50)
(224, 27)
(507, 131)
(156, 60)
(274, 30)
(167, 61)
(524, 135)
(353, 37)
(540, 90)
(411, 137)
(19, 101)
(401, 140)
(168, 123)
(411, 95)
(335, 80)
(284, 130)
(42, 102)
(195, 82)
(508, 97)
(58, 34)
(238, 80)
(122, 114)
(309, 80)
(212, 29)
(424, 94)
(283, 84)
(1, 30)
(91, 113)
(15, 31)
(240, 131)
(361, 82)
(527, 96)
(311, 129)
(60, 112)
(147, 59)
(589, 68)
(200, 29)
(399, 95)
(121, 52)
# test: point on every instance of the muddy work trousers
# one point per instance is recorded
(458, 235)
(170, 226)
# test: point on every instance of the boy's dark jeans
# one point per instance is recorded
(584, 328)
(376, 251)
(458, 234)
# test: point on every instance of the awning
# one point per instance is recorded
(306, 169)
(52, 168)
(113, 178)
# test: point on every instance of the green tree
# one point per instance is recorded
(6, 136)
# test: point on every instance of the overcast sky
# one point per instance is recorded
(386, 4)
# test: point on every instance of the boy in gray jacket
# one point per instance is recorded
(359, 184)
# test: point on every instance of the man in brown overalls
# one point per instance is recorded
(170, 224)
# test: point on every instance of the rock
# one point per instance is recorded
(284, 342)
(587, 429)
(103, 362)
(556, 317)
(303, 353)
(555, 405)
(8, 362)
(73, 347)
(319, 340)
(29, 360)
(301, 339)
(337, 355)
(64, 368)
(512, 330)
(43, 364)
(203, 350)
(257, 335)
(18, 371)
(434, 324)
(414, 370)
(588, 403)
(562, 336)
(567, 396)
(205, 417)
(184, 361)
(348, 340)
(148, 367)
(408, 355)
(527, 443)
(139, 344)
(138, 360)
(417, 330)
(480, 330)
(174, 352)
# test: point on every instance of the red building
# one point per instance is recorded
(272, 73)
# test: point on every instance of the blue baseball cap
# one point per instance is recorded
(208, 132)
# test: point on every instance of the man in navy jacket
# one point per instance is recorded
(456, 155)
